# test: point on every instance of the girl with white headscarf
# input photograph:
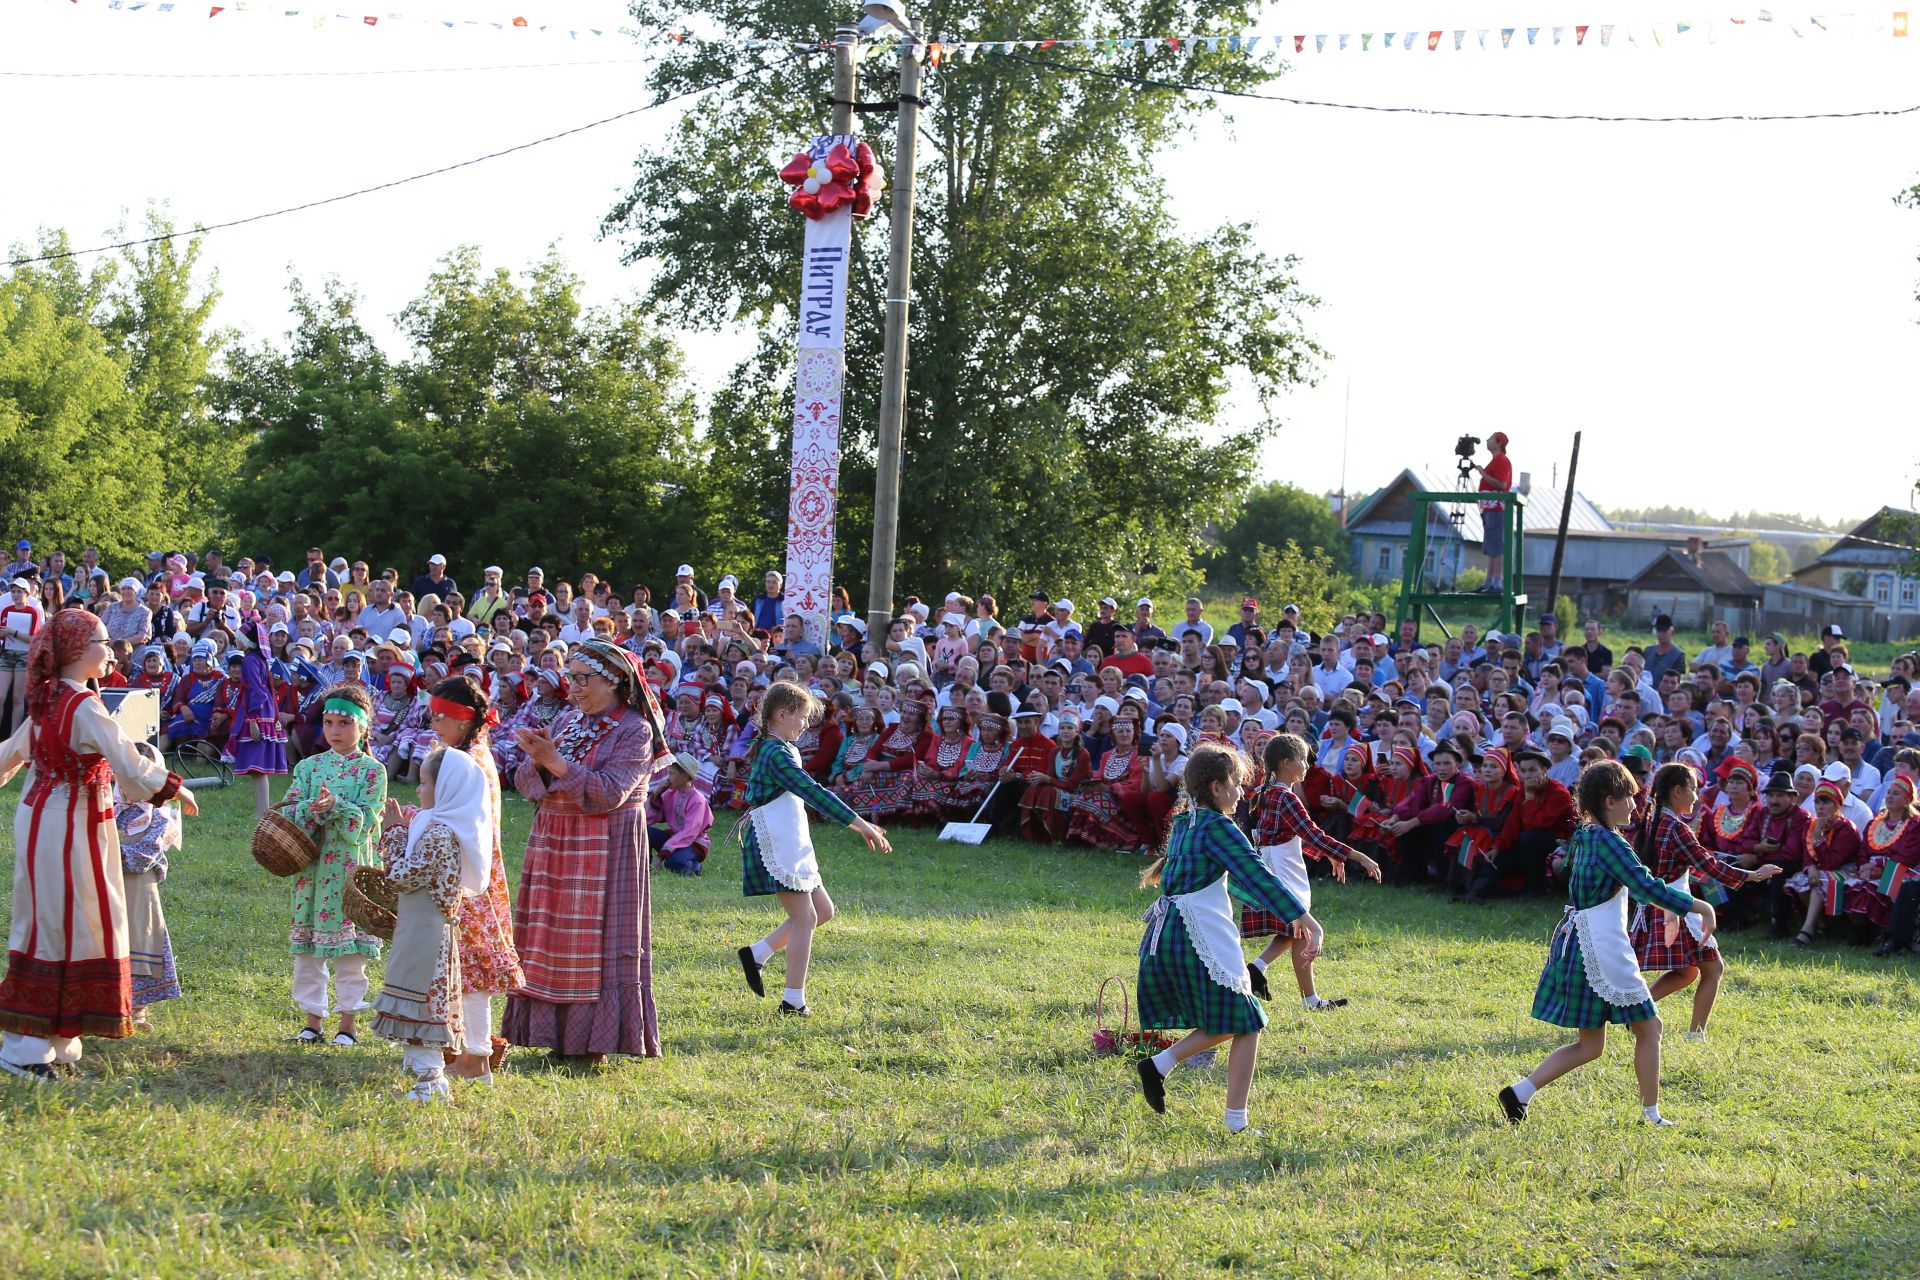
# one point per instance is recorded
(443, 854)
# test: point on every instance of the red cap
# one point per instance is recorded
(1498, 437)
(1249, 603)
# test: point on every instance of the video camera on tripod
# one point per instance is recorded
(1463, 450)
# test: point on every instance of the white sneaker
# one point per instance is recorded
(1696, 1037)
(1661, 1123)
(429, 1089)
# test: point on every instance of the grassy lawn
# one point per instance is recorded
(942, 1114)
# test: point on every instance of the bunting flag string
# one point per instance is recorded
(1758, 24)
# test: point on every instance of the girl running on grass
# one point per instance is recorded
(778, 857)
(1192, 972)
(1592, 976)
(1281, 829)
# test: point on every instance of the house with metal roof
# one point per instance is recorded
(1876, 560)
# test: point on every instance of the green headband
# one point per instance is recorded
(345, 707)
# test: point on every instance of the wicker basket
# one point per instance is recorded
(281, 846)
(370, 901)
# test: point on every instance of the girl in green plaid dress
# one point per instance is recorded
(1192, 972)
(1592, 976)
(777, 854)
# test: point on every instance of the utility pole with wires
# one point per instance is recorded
(893, 360)
(846, 79)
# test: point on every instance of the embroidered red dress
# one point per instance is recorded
(67, 955)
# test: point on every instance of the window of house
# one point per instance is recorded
(1386, 557)
(1882, 590)
(1909, 593)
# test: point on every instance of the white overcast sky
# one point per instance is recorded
(1726, 309)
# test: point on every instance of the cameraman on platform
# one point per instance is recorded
(1495, 477)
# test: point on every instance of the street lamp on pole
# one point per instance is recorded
(879, 14)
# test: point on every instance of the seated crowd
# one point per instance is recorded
(1450, 761)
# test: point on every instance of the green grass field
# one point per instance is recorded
(942, 1114)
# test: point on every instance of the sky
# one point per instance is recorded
(1726, 310)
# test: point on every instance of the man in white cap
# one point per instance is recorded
(435, 582)
(1100, 631)
(683, 578)
(1144, 632)
(491, 598)
(1852, 807)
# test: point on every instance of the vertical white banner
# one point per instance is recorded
(814, 482)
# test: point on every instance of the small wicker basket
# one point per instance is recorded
(281, 845)
(370, 902)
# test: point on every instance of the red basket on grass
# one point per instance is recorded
(1122, 1038)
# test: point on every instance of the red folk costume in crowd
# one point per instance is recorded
(885, 785)
(1111, 809)
(1044, 805)
(67, 954)
(1884, 842)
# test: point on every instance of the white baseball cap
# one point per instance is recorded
(436, 558)
(1233, 705)
(729, 583)
(684, 571)
(1143, 601)
(1064, 606)
(493, 568)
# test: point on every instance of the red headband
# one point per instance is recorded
(458, 711)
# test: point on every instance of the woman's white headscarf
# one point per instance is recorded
(460, 805)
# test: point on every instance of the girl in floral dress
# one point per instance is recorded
(489, 962)
(337, 796)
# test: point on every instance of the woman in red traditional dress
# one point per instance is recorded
(1043, 805)
(884, 788)
(1105, 808)
(68, 972)
(942, 764)
(1891, 839)
(983, 770)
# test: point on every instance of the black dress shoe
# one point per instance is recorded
(1153, 1085)
(35, 1072)
(797, 1010)
(1510, 1103)
(1258, 979)
(751, 967)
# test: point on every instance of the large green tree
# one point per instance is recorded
(1274, 514)
(105, 417)
(522, 428)
(1072, 347)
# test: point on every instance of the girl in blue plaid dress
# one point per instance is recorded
(777, 855)
(1592, 976)
(1192, 972)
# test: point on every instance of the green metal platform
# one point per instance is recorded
(1509, 606)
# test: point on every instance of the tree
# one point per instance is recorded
(1768, 562)
(525, 428)
(1072, 349)
(1275, 513)
(127, 470)
(1295, 575)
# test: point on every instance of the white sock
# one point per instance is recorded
(1258, 963)
(1524, 1089)
(795, 996)
(1315, 1002)
(1164, 1062)
(1651, 1114)
(1236, 1119)
(760, 951)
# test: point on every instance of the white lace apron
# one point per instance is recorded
(1213, 926)
(781, 834)
(1289, 867)
(1642, 918)
(1613, 970)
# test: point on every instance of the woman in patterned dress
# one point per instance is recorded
(1043, 804)
(337, 796)
(1107, 801)
(538, 712)
(862, 737)
(885, 785)
(777, 856)
(942, 765)
(1192, 973)
(148, 832)
(583, 925)
(1592, 976)
(1833, 868)
(1893, 837)
(68, 972)
(1673, 853)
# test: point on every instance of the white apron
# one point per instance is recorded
(1645, 917)
(1289, 867)
(781, 834)
(1213, 924)
(1613, 970)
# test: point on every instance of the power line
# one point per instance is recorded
(1181, 86)
(279, 75)
(400, 182)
